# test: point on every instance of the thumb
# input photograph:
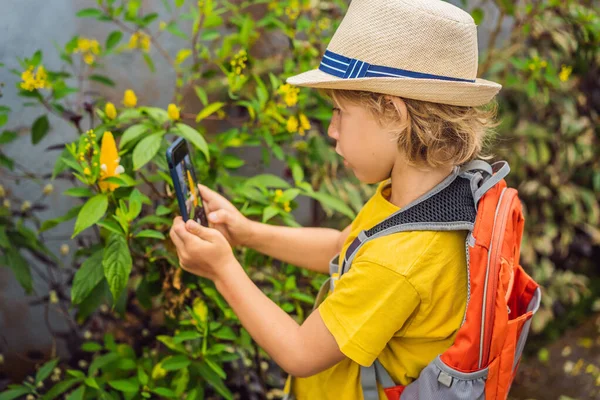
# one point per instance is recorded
(202, 232)
(221, 216)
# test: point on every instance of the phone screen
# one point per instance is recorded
(191, 193)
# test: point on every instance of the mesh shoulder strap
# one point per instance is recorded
(448, 206)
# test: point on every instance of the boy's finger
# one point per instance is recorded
(202, 232)
(210, 195)
(175, 239)
(219, 217)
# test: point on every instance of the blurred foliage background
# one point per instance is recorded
(140, 327)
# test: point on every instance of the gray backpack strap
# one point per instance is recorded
(448, 206)
(369, 376)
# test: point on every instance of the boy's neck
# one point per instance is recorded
(409, 183)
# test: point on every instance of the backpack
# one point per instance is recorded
(501, 297)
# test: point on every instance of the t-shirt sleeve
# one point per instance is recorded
(369, 305)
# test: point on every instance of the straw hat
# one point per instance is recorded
(416, 49)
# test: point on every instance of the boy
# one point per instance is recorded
(402, 76)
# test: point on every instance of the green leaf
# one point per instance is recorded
(142, 375)
(133, 133)
(477, 15)
(162, 210)
(225, 333)
(149, 62)
(7, 137)
(78, 192)
(149, 233)
(91, 382)
(91, 347)
(14, 393)
(201, 93)
(168, 341)
(214, 380)
(20, 268)
(102, 79)
(87, 277)
(180, 382)
(60, 165)
(194, 137)
(175, 362)
(289, 195)
(187, 335)
(332, 202)
(40, 128)
(174, 29)
(148, 19)
(60, 388)
(89, 13)
(111, 225)
(125, 385)
(77, 394)
(161, 391)
(146, 150)
(117, 264)
(232, 162)
(102, 361)
(179, 3)
(308, 299)
(113, 39)
(51, 223)
(135, 204)
(269, 212)
(3, 119)
(92, 211)
(267, 181)
(208, 110)
(45, 371)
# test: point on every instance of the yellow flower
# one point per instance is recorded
(109, 162)
(162, 25)
(139, 40)
(6, 203)
(2, 191)
(278, 194)
(304, 124)
(53, 297)
(200, 309)
(173, 112)
(87, 171)
(110, 111)
(129, 98)
(48, 189)
(286, 206)
(25, 206)
(290, 94)
(64, 249)
(33, 81)
(565, 73)
(88, 58)
(292, 124)
(88, 47)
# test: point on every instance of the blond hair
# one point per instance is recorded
(434, 134)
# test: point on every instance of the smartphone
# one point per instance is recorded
(185, 183)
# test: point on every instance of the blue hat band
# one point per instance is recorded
(349, 68)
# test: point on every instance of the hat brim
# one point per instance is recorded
(455, 93)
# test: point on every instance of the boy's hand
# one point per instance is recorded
(225, 218)
(202, 251)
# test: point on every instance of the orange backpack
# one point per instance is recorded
(501, 300)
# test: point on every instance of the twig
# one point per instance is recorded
(156, 192)
(492, 43)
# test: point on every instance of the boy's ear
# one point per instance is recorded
(400, 107)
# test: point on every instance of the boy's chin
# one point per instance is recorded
(367, 178)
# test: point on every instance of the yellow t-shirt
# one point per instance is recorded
(402, 301)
